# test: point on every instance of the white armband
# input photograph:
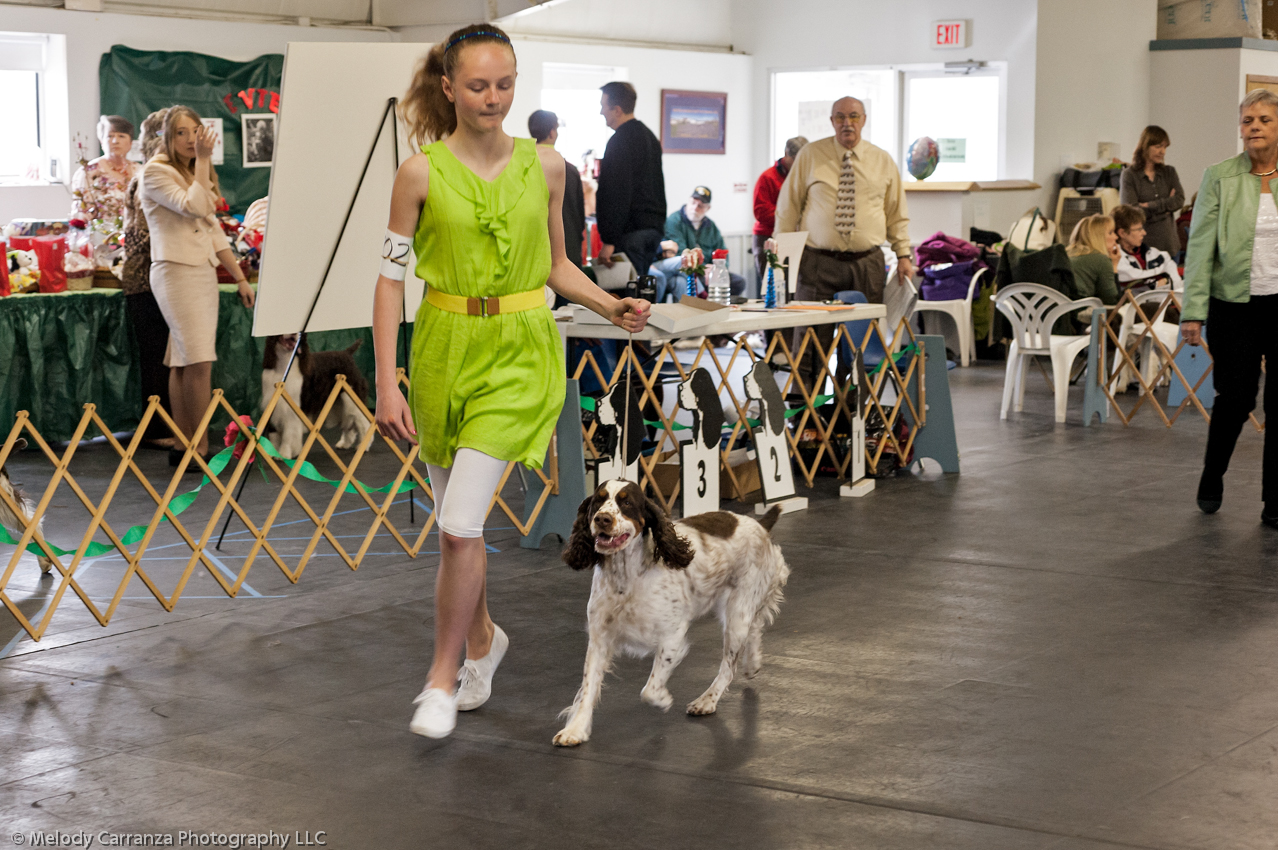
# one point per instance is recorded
(395, 250)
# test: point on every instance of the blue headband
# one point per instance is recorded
(453, 42)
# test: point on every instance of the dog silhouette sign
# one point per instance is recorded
(775, 473)
(699, 458)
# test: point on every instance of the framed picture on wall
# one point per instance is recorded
(693, 121)
(257, 139)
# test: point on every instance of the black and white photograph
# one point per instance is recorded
(257, 137)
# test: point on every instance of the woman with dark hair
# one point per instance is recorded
(483, 214)
(179, 194)
(1231, 280)
(107, 177)
(1151, 184)
(149, 328)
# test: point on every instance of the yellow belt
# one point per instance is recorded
(493, 305)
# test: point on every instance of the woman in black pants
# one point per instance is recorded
(1231, 280)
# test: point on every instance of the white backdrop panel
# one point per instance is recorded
(331, 100)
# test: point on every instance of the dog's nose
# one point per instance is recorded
(604, 521)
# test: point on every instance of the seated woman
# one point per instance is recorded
(1093, 253)
(102, 182)
(1141, 266)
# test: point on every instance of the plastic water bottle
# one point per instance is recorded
(718, 283)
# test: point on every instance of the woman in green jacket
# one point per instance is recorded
(1231, 281)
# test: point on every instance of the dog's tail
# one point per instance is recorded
(770, 518)
(354, 346)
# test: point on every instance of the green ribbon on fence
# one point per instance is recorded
(912, 348)
(588, 403)
(182, 501)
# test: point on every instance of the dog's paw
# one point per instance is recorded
(348, 440)
(703, 705)
(569, 738)
(751, 672)
(660, 699)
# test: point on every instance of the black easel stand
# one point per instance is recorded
(381, 126)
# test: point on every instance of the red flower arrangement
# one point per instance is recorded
(235, 437)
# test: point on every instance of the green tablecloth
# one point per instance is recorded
(58, 352)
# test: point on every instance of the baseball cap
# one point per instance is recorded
(702, 193)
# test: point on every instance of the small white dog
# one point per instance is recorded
(310, 384)
(654, 578)
(8, 520)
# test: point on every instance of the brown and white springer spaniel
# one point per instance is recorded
(654, 578)
(310, 384)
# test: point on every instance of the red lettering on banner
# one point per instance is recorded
(275, 102)
(229, 104)
(247, 97)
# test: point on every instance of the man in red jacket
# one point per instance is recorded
(766, 190)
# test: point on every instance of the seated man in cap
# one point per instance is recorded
(688, 227)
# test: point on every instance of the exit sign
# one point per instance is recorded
(950, 34)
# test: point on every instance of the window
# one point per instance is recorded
(802, 101)
(572, 93)
(28, 64)
(20, 154)
(963, 112)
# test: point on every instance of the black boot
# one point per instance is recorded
(1211, 492)
(1269, 516)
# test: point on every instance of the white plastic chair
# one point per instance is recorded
(960, 310)
(1033, 310)
(1169, 332)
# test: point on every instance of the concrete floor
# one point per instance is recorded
(1052, 650)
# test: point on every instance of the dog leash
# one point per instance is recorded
(625, 433)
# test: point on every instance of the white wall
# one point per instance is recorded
(650, 72)
(89, 35)
(1194, 95)
(1092, 83)
(672, 22)
(814, 34)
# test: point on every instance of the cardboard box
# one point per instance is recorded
(666, 473)
(689, 314)
(1209, 19)
(746, 470)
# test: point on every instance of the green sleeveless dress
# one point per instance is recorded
(494, 384)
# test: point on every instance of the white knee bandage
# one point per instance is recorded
(395, 251)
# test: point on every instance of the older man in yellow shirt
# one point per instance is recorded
(848, 195)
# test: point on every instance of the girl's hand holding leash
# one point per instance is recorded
(631, 314)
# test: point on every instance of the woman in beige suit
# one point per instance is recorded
(179, 198)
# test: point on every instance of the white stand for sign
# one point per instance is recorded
(699, 458)
(856, 490)
(788, 506)
(700, 466)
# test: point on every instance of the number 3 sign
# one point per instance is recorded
(775, 473)
(699, 458)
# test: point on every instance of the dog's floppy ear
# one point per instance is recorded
(667, 545)
(580, 552)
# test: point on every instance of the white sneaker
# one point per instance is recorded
(436, 713)
(476, 675)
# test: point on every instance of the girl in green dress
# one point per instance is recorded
(482, 212)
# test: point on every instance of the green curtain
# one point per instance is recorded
(135, 83)
(58, 352)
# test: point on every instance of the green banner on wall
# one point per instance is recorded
(135, 83)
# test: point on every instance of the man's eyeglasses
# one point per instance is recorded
(840, 118)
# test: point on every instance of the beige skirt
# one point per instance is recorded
(188, 297)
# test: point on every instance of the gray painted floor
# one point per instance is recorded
(1052, 650)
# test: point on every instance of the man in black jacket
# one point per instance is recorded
(543, 126)
(630, 205)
